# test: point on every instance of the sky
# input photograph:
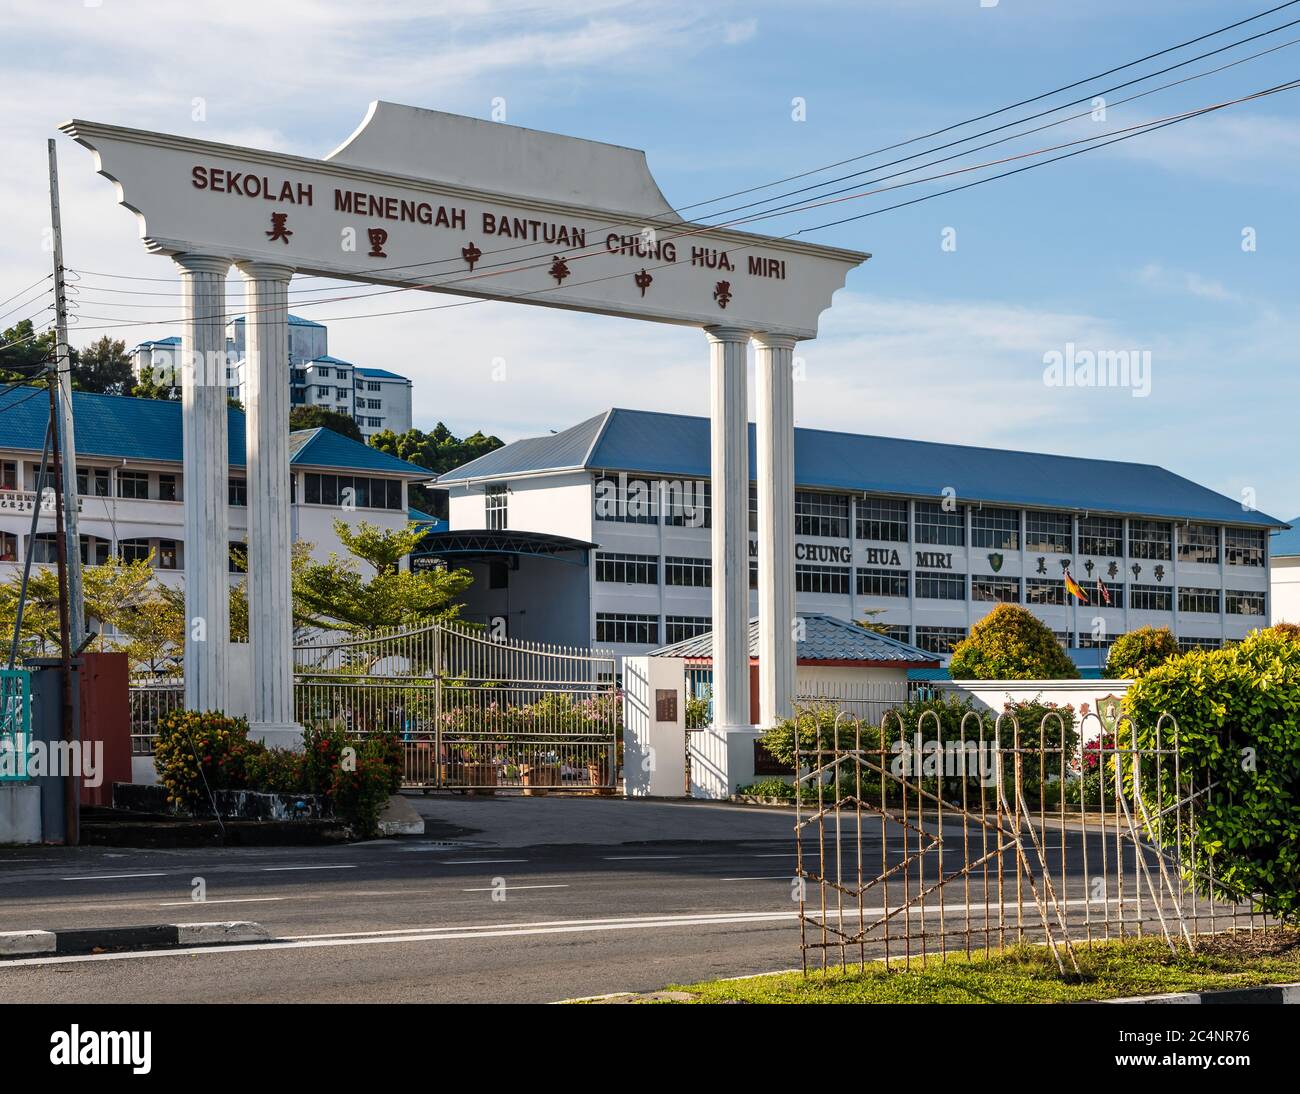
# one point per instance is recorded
(1179, 244)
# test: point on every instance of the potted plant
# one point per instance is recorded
(542, 770)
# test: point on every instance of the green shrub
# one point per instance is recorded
(769, 788)
(1140, 651)
(1011, 643)
(197, 751)
(276, 771)
(1238, 727)
(359, 791)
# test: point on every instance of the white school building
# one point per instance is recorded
(601, 534)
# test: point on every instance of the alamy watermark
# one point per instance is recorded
(1074, 367)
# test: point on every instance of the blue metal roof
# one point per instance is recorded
(676, 445)
(326, 359)
(826, 639)
(379, 374)
(434, 524)
(120, 427)
(294, 321)
(1286, 543)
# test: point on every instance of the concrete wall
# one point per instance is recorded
(544, 600)
(654, 751)
(1083, 695)
(1286, 589)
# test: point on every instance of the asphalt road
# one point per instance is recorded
(505, 900)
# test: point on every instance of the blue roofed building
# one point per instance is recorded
(923, 537)
(132, 484)
(374, 398)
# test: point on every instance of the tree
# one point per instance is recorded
(103, 366)
(23, 354)
(337, 595)
(314, 417)
(871, 623)
(1011, 643)
(439, 450)
(1139, 651)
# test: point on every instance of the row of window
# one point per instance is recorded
(631, 569)
(355, 490)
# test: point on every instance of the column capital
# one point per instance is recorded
(775, 341)
(196, 263)
(728, 334)
(265, 271)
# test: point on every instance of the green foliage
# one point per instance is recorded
(200, 751)
(439, 450)
(1139, 651)
(103, 366)
(769, 788)
(359, 788)
(1011, 643)
(697, 710)
(337, 594)
(23, 356)
(1238, 724)
(322, 417)
(275, 770)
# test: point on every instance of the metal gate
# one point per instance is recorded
(473, 712)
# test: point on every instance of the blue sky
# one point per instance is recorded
(1133, 247)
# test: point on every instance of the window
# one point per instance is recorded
(337, 489)
(1101, 536)
(694, 572)
(322, 392)
(1150, 598)
(132, 484)
(1116, 593)
(939, 639)
(298, 375)
(687, 504)
(1198, 543)
(824, 515)
(237, 492)
(1040, 591)
(627, 569)
(934, 585)
(237, 558)
(133, 550)
(374, 423)
(753, 573)
(1000, 590)
(876, 582)
(166, 487)
(996, 528)
(1086, 641)
(628, 501)
(1149, 539)
(899, 634)
(91, 481)
(623, 627)
(1047, 532)
(43, 548)
(1243, 546)
(831, 580)
(1186, 644)
(495, 498)
(1202, 601)
(373, 404)
(935, 524)
(372, 385)
(679, 628)
(323, 372)
(8, 547)
(882, 519)
(9, 475)
(167, 554)
(753, 507)
(1240, 602)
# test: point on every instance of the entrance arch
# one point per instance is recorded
(450, 204)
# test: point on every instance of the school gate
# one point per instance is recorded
(473, 712)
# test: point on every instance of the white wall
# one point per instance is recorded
(1285, 589)
(993, 695)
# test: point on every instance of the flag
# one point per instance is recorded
(1105, 596)
(1075, 588)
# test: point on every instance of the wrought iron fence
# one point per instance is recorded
(868, 700)
(917, 841)
(152, 699)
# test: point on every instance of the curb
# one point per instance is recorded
(156, 936)
(1268, 994)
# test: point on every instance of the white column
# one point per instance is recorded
(729, 439)
(270, 594)
(206, 467)
(774, 441)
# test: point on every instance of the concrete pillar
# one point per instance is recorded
(774, 442)
(729, 440)
(270, 592)
(206, 471)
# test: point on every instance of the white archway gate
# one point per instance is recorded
(473, 208)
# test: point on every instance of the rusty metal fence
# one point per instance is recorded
(918, 841)
(152, 699)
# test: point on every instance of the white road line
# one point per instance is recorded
(768, 877)
(494, 888)
(638, 858)
(231, 900)
(110, 877)
(479, 861)
(694, 917)
(281, 869)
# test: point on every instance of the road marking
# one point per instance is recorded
(275, 869)
(230, 900)
(638, 858)
(479, 861)
(111, 877)
(494, 888)
(768, 877)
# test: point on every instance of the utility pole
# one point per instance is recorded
(67, 439)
